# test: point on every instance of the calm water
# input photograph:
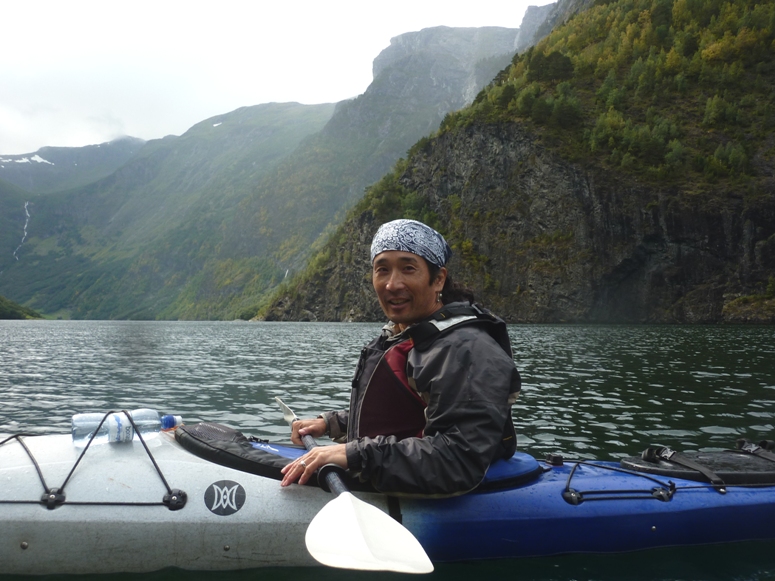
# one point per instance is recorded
(589, 391)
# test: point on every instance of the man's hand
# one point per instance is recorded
(303, 468)
(314, 428)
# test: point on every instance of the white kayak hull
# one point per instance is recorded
(267, 530)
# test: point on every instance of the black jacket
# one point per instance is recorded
(466, 375)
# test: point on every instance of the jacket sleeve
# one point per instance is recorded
(336, 424)
(466, 378)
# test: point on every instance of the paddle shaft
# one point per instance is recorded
(335, 483)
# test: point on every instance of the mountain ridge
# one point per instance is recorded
(53, 169)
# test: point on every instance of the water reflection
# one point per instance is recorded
(603, 390)
(589, 391)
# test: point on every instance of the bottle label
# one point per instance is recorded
(119, 428)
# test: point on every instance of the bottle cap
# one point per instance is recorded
(169, 422)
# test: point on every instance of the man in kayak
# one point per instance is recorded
(431, 403)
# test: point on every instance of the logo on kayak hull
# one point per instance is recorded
(224, 497)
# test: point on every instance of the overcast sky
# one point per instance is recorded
(77, 72)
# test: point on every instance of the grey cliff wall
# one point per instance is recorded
(546, 241)
(454, 53)
(534, 17)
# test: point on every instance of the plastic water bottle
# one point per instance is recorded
(116, 428)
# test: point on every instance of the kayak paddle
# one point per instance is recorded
(374, 540)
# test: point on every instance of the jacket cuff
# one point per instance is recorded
(326, 419)
(354, 459)
(333, 427)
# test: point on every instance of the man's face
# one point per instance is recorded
(401, 280)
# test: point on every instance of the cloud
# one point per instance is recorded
(85, 71)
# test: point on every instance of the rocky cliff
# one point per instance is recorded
(540, 239)
(450, 56)
(561, 11)
(534, 17)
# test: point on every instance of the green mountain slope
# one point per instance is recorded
(417, 80)
(672, 92)
(94, 251)
(622, 170)
(13, 217)
(11, 310)
(52, 169)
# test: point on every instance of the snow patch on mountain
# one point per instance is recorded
(36, 158)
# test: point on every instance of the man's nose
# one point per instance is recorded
(396, 281)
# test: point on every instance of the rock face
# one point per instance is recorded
(450, 56)
(534, 17)
(542, 240)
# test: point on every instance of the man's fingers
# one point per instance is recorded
(304, 467)
(304, 476)
(300, 469)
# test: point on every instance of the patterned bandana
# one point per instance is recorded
(411, 236)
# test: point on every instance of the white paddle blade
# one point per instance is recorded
(372, 541)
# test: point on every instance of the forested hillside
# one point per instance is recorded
(622, 170)
(673, 92)
(10, 310)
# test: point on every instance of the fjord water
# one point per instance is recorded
(588, 392)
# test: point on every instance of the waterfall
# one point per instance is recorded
(24, 236)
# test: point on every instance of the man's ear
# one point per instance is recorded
(441, 276)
